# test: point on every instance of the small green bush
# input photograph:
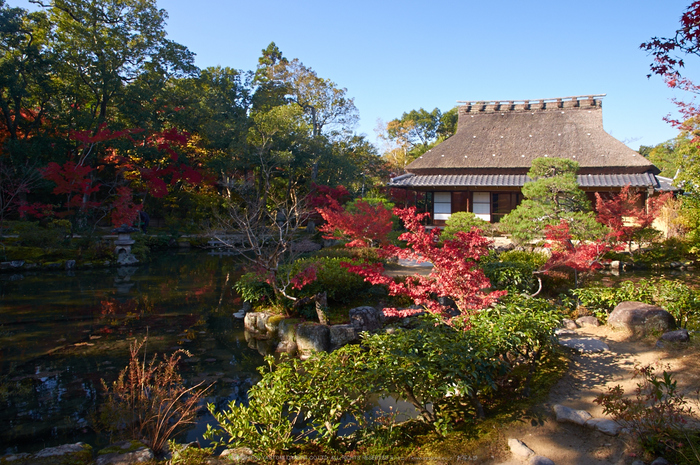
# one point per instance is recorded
(253, 288)
(532, 259)
(337, 282)
(53, 234)
(513, 270)
(656, 416)
(463, 221)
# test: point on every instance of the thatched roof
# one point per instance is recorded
(508, 136)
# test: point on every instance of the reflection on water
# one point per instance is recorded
(62, 332)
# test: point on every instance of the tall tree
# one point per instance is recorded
(552, 197)
(415, 133)
(104, 45)
(26, 67)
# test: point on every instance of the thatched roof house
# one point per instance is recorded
(482, 167)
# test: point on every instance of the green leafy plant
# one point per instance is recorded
(520, 331)
(656, 415)
(148, 401)
(429, 364)
(50, 235)
(463, 221)
(513, 270)
(296, 402)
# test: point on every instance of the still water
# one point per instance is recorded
(61, 333)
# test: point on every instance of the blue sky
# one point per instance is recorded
(395, 56)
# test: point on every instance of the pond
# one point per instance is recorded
(62, 332)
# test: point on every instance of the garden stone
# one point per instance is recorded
(287, 347)
(680, 335)
(660, 461)
(568, 323)
(78, 453)
(561, 332)
(615, 265)
(124, 453)
(239, 455)
(312, 337)
(587, 321)
(245, 309)
(585, 344)
(272, 324)
(604, 425)
(641, 318)
(366, 318)
(520, 449)
(287, 328)
(540, 460)
(566, 414)
(341, 335)
(254, 323)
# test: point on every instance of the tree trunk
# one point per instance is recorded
(322, 307)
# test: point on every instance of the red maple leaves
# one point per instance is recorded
(455, 274)
(367, 226)
(626, 214)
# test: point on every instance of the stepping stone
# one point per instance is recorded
(585, 344)
(604, 425)
(566, 414)
(518, 448)
(540, 460)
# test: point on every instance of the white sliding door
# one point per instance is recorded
(442, 205)
(481, 205)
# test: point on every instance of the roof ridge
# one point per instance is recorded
(578, 101)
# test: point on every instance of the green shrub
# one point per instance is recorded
(317, 393)
(513, 270)
(53, 234)
(532, 259)
(519, 330)
(445, 372)
(337, 282)
(253, 288)
(656, 416)
(462, 221)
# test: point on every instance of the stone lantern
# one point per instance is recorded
(123, 245)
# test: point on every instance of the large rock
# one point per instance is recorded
(77, 454)
(341, 335)
(641, 318)
(312, 337)
(680, 335)
(124, 453)
(256, 323)
(287, 329)
(366, 318)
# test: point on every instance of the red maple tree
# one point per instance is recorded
(668, 63)
(578, 256)
(368, 225)
(455, 274)
(627, 216)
